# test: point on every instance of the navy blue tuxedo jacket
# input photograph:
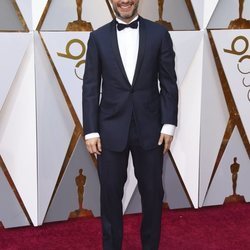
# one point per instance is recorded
(104, 72)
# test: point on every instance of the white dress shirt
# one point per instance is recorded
(128, 43)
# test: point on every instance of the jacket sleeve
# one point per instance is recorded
(168, 82)
(91, 88)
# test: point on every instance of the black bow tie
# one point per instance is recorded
(133, 25)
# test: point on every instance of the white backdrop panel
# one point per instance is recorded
(237, 71)
(66, 198)
(134, 205)
(25, 6)
(37, 11)
(175, 194)
(221, 186)
(95, 12)
(186, 44)
(185, 146)
(11, 56)
(220, 20)
(209, 7)
(66, 63)
(11, 213)
(198, 7)
(18, 132)
(171, 13)
(214, 118)
(9, 20)
(54, 128)
(130, 185)
(204, 10)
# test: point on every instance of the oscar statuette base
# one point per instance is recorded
(79, 25)
(239, 23)
(234, 198)
(81, 213)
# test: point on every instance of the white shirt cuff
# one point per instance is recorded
(168, 129)
(91, 136)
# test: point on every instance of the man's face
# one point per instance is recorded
(126, 10)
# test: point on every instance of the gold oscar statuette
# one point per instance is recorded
(166, 24)
(80, 181)
(235, 167)
(240, 23)
(79, 24)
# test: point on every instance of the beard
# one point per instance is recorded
(129, 15)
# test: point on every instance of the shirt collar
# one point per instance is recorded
(120, 21)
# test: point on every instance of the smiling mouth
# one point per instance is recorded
(126, 7)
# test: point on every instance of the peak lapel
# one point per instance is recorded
(116, 50)
(142, 45)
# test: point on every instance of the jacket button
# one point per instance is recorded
(131, 91)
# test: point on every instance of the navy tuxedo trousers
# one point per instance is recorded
(112, 170)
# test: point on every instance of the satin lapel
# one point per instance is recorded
(142, 45)
(116, 50)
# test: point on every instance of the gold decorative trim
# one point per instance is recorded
(234, 118)
(79, 24)
(232, 108)
(161, 21)
(78, 124)
(20, 17)
(78, 130)
(72, 145)
(65, 94)
(192, 14)
(110, 9)
(13, 31)
(240, 22)
(14, 189)
(45, 11)
(180, 179)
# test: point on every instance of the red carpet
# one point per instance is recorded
(226, 227)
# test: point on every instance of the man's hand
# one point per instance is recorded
(166, 140)
(94, 145)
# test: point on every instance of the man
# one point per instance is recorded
(125, 63)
